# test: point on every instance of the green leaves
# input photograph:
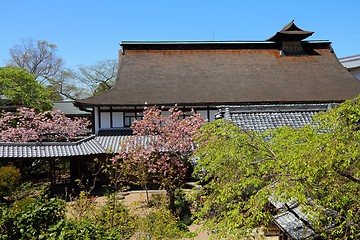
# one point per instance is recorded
(241, 171)
(19, 88)
(9, 179)
(33, 219)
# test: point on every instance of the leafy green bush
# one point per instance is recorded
(76, 229)
(159, 223)
(9, 179)
(89, 221)
(30, 219)
(44, 218)
(182, 208)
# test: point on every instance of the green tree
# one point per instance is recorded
(317, 166)
(19, 88)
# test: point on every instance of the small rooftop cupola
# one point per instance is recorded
(290, 38)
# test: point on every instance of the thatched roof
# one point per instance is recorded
(214, 73)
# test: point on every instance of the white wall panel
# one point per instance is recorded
(105, 120)
(118, 119)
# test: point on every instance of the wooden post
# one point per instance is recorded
(52, 171)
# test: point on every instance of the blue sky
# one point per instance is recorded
(90, 31)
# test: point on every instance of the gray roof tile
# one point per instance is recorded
(85, 147)
(293, 226)
(271, 116)
(112, 143)
(264, 121)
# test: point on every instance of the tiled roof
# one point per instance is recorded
(264, 117)
(112, 143)
(351, 61)
(295, 227)
(86, 147)
(69, 109)
(292, 219)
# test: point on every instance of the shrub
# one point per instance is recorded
(158, 224)
(9, 179)
(182, 208)
(30, 219)
(89, 221)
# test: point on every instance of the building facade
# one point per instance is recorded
(198, 75)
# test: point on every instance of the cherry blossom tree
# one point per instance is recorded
(165, 155)
(26, 125)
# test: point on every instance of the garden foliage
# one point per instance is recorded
(317, 166)
(165, 158)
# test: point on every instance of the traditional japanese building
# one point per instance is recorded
(202, 75)
(258, 85)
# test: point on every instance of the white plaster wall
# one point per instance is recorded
(118, 119)
(105, 120)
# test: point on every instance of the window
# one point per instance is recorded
(129, 117)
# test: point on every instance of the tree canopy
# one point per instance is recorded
(317, 166)
(38, 58)
(98, 77)
(26, 125)
(165, 158)
(19, 88)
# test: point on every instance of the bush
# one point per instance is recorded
(158, 224)
(44, 218)
(90, 221)
(76, 230)
(9, 179)
(182, 208)
(30, 219)
(114, 217)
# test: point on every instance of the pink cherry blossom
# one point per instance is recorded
(169, 148)
(25, 125)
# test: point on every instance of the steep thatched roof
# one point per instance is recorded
(214, 73)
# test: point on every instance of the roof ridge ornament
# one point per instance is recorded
(290, 32)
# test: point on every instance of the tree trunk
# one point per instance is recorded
(145, 187)
(171, 194)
